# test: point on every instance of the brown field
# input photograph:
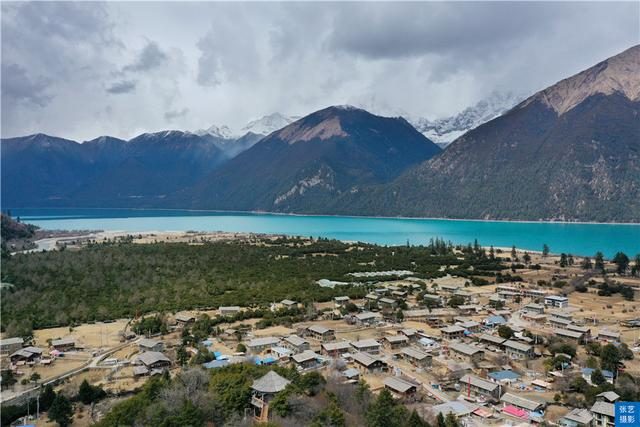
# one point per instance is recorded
(92, 336)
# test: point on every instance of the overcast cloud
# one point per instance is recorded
(80, 70)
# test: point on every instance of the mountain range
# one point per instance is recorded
(569, 152)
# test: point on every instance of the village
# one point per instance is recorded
(440, 346)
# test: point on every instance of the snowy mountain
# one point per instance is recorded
(445, 130)
(233, 142)
(267, 124)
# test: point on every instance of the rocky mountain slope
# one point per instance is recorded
(569, 152)
(307, 164)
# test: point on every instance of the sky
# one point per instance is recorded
(81, 70)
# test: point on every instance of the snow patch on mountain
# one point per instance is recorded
(445, 130)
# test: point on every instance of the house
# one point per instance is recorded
(371, 297)
(469, 309)
(295, 343)
(262, 392)
(492, 340)
(449, 288)
(153, 360)
(509, 295)
(587, 372)
(416, 357)
(494, 321)
(146, 344)
(341, 301)
(400, 387)
(306, 360)
(466, 353)
(183, 319)
(10, 345)
(26, 354)
(399, 294)
(351, 374)
(556, 301)
(321, 333)
(258, 345)
(367, 318)
(577, 418)
(558, 322)
(229, 310)
(533, 293)
(585, 331)
(368, 363)
(534, 308)
(603, 414)
(281, 353)
(497, 301)
(568, 335)
(608, 396)
(387, 303)
(288, 304)
(432, 300)
(608, 336)
(370, 346)
(517, 350)
(395, 342)
(335, 349)
(476, 385)
(452, 332)
(529, 405)
(459, 408)
(470, 325)
(64, 344)
(534, 317)
(428, 343)
(504, 377)
(562, 313)
(412, 334)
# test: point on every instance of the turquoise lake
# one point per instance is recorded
(578, 239)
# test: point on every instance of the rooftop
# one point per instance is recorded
(478, 382)
(398, 384)
(271, 382)
(517, 345)
(465, 349)
(366, 343)
(521, 402)
(603, 408)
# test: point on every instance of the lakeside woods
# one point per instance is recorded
(119, 278)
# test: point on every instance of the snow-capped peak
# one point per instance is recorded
(267, 124)
(218, 131)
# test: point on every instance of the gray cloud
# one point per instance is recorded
(19, 87)
(175, 114)
(123, 86)
(149, 58)
(193, 64)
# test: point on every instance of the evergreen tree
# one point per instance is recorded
(586, 263)
(440, 420)
(514, 254)
(47, 397)
(416, 420)
(545, 250)
(622, 261)
(599, 262)
(61, 411)
(384, 411)
(451, 420)
(563, 260)
(597, 378)
(526, 258)
(610, 357)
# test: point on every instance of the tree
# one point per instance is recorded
(61, 410)
(440, 420)
(610, 358)
(88, 394)
(635, 270)
(563, 260)
(622, 261)
(331, 416)
(597, 378)
(455, 301)
(416, 420)
(182, 356)
(384, 412)
(514, 254)
(35, 377)
(8, 379)
(241, 348)
(505, 332)
(47, 397)
(599, 262)
(545, 250)
(586, 263)
(526, 258)
(451, 420)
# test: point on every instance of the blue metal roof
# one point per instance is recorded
(605, 373)
(504, 375)
(216, 364)
(495, 320)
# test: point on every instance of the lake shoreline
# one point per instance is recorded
(231, 212)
